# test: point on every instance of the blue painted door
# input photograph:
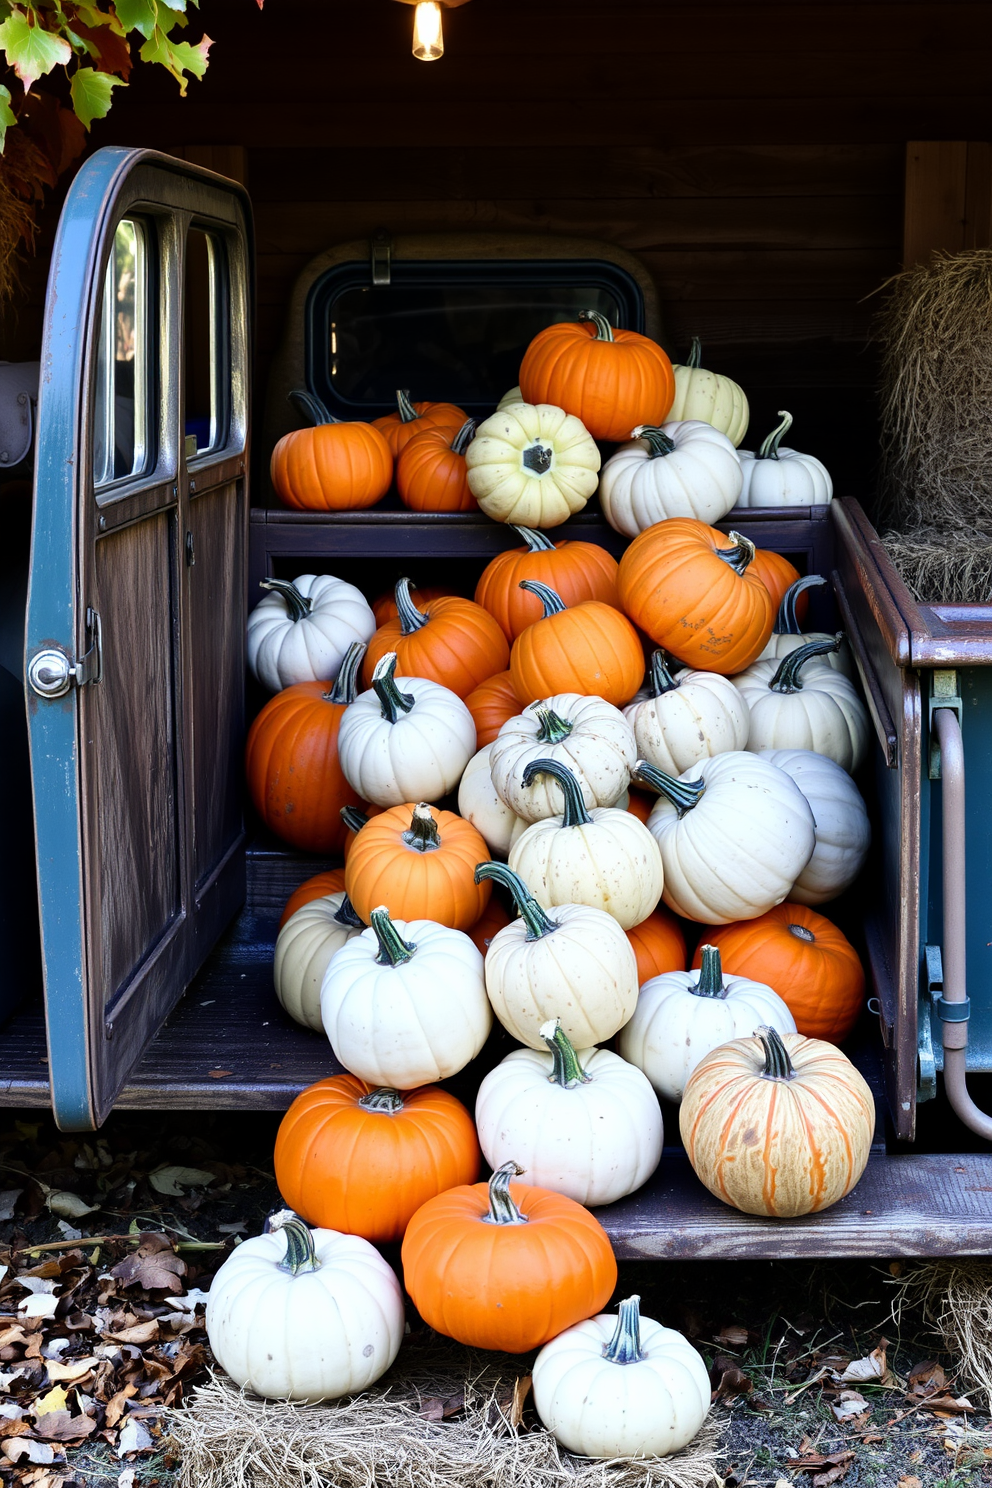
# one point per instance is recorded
(134, 653)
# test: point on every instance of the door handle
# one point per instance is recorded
(50, 672)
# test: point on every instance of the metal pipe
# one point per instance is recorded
(955, 1035)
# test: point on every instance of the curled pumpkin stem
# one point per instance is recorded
(566, 1070)
(657, 441)
(345, 689)
(346, 916)
(625, 1345)
(385, 1100)
(710, 983)
(575, 813)
(777, 1065)
(604, 331)
(300, 1253)
(683, 794)
(502, 1209)
(536, 541)
(422, 834)
(787, 678)
(550, 599)
(298, 605)
(392, 702)
(393, 949)
(770, 444)
(741, 555)
(787, 621)
(538, 922)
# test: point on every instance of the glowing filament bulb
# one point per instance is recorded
(428, 38)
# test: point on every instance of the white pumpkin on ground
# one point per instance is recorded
(715, 399)
(573, 962)
(735, 833)
(304, 948)
(301, 630)
(509, 398)
(300, 1314)
(604, 858)
(532, 465)
(843, 831)
(686, 469)
(479, 804)
(406, 739)
(799, 703)
(789, 635)
(621, 1387)
(588, 735)
(682, 1015)
(783, 477)
(686, 717)
(582, 1123)
(404, 1003)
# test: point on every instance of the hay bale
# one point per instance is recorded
(955, 1299)
(939, 567)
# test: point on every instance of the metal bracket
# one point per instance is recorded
(947, 1012)
(382, 256)
(51, 674)
(943, 694)
(926, 1063)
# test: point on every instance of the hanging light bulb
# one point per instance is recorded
(428, 37)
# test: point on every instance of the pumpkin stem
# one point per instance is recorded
(411, 618)
(787, 621)
(404, 403)
(298, 605)
(711, 983)
(393, 949)
(552, 602)
(778, 1065)
(566, 1070)
(353, 819)
(310, 407)
(385, 1099)
(695, 357)
(604, 331)
(802, 933)
(769, 445)
(662, 680)
(683, 794)
(740, 555)
(391, 700)
(422, 834)
(787, 678)
(533, 915)
(625, 1345)
(575, 813)
(536, 541)
(657, 441)
(300, 1254)
(345, 689)
(345, 915)
(553, 728)
(464, 437)
(502, 1209)
(537, 458)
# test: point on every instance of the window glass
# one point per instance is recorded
(120, 414)
(203, 339)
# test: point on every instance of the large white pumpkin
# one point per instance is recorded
(682, 1015)
(708, 396)
(404, 1003)
(307, 1315)
(783, 477)
(582, 1123)
(621, 1387)
(304, 947)
(799, 703)
(301, 630)
(843, 831)
(686, 718)
(588, 735)
(533, 465)
(686, 469)
(735, 833)
(479, 804)
(406, 739)
(789, 635)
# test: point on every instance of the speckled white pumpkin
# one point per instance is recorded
(686, 469)
(588, 735)
(301, 630)
(686, 717)
(843, 831)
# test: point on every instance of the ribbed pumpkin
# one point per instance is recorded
(610, 379)
(506, 1266)
(431, 475)
(491, 704)
(805, 958)
(575, 570)
(778, 575)
(659, 945)
(491, 921)
(318, 887)
(588, 648)
(292, 768)
(451, 641)
(693, 591)
(362, 1161)
(332, 467)
(411, 419)
(421, 862)
(384, 605)
(715, 399)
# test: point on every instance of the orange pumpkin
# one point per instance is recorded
(803, 957)
(333, 467)
(384, 606)
(491, 704)
(292, 768)
(659, 945)
(421, 862)
(431, 474)
(612, 380)
(317, 887)
(493, 918)
(411, 419)
(575, 570)
(479, 1275)
(778, 575)
(363, 1161)
(640, 804)
(693, 591)
(452, 641)
(590, 648)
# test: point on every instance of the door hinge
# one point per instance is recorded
(382, 256)
(51, 673)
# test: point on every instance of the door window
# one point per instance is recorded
(121, 402)
(205, 320)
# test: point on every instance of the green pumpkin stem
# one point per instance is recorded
(392, 702)
(298, 605)
(553, 728)
(657, 441)
(533, 915)
(777, 1065)
(662, 680)
(537, 458)
(552, 602)
(802, 932)
(300, 1253)
(385, 1100)
(393, 949)
(404, 404)
(787, 678)
(422, 834)
(310, 407)
(710, 983)
(536, 542)
(566, 1070)
(502, 1209)
(695, 357)
(345, 915)
(769, 445)
(464, 437)
(625, 1345)
(345, 689)
(575, 813)
(787, 621)
(353, 819)
(741, 555)
(604, 331)
(683, 794)
(410, 617)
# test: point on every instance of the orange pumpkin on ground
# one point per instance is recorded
(421, 862)
(384, 606)
(590, 648)
(803, 957)
(659, 945)
(477, 1274)
(363, 1161)
(317, 887)
(778, 575)
(431, 474)
(575, 570)
(489, 923)
(491, 704)
(333, 466)
(694, 592)
(610, 379)
(411, 419)
(451, 641)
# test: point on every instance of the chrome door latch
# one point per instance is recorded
(50, 672)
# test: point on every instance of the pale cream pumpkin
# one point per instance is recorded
(708, 396)
(479, 804)
(587, 734)
(686, 469)
(799, 703)
(532, 465)
(304, 948)
(687, 717)
(789, 635)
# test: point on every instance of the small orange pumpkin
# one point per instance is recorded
(491, 704)
(590, 648)
(431, 474)
(421, 862)
(778, 575)
(332, 466)
(575, 570)
(493, 918)
(451, 641)
(411, 419)
(659, 945)
(640, 804)
(384, 605)
(317, 887)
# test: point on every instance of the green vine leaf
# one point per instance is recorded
(138, 15)
(31, 51)
(7, 115)
(91, 92)
(178, 57)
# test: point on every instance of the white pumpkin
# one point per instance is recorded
(532, 465)
(735, 833)
(508, 399)
(304, 947)
(843, 831)
(686, 469)
(621, 1387)
(585, 1124)
(783, 477)
(307, 1315)
(682, 1015)
(404, 1003)
(686, 718)
(479, 804)
(406, 739)
(588, 735)
(574, 962)
(789, 635)
(301, 630)
(605, 858)
(708, 396)
(799, 703)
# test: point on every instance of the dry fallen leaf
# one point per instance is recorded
(55, 1400)
(171, 1179)
(733, 1337)
(60, 1426)
(19, 1448)
(521, 1389)
(134, 1437)
(910, 1481)
(154, 1266)
(832, 1475)
(37, 1305)
(945, 1405)
(75, 1371)
(440, 1407)
(731, 1379)
(70, 1205)
(870, 1370)
(849, 1405)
